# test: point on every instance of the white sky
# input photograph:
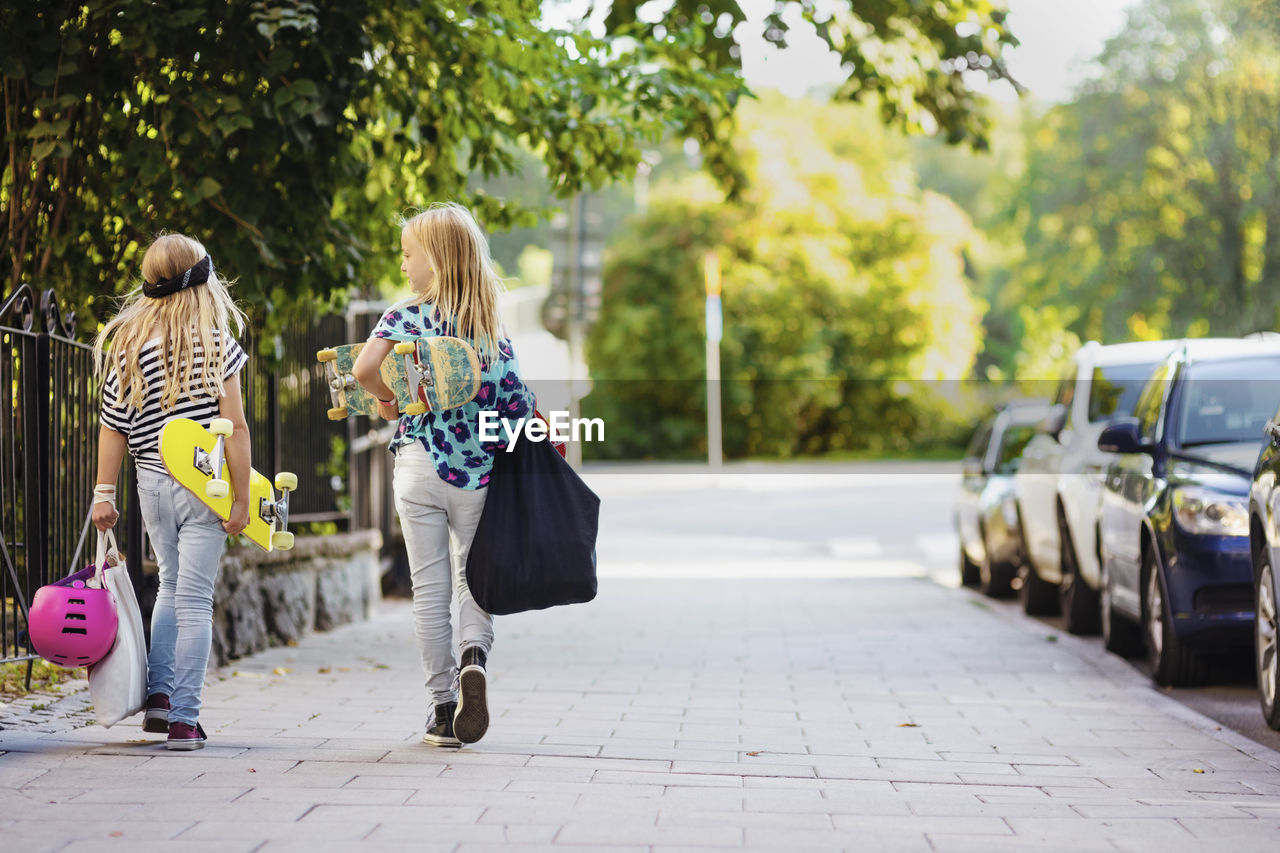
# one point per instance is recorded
(1058, 38)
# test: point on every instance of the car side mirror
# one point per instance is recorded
(972, 466)
(1054, 422)
(1122, 436)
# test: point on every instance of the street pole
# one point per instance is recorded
(715, 330)
(577, 309)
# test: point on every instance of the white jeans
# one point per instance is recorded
(439, 521)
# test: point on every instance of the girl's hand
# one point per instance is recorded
(239, 519)
(105, 516)
(388, 410)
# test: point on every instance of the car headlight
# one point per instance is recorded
(1207, 512)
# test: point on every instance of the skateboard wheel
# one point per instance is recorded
(217, 489)
(327, 355)
(220, 426)
(282, 540)
(286, 482)
(338, 413)
(405, 347)
(415, 409)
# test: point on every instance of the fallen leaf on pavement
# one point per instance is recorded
(756, 752)
(239, 674)
(908, 725)
(281, 670)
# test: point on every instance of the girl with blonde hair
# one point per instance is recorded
(442, 467)
(170, 353)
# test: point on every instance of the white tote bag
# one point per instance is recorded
(118, 682)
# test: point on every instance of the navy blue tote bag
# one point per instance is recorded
(535, 545)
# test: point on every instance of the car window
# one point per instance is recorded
(1151, 402)
(1066, 389)
(1011, 446)
(981, 438)
(1227, 401)
(1114, 390)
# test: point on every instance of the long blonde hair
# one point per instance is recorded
(466, 286)
(183, 320)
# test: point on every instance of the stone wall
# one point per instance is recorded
(271, 599)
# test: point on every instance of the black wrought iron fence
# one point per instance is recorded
(49, 439)
(48, 452)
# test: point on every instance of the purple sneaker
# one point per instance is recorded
(156, 718)
(183, 736)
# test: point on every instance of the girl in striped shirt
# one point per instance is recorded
(170, 353)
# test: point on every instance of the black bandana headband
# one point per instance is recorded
(198, 274)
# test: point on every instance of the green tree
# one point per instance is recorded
(1150, 205)
(845, 300)
(289, 133)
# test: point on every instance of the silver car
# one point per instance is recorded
(986, 514)
(1059, 484)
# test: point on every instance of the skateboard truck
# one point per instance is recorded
(273, 512)
(211, 463)
(418, 377)
(217, 487)
(338, 383)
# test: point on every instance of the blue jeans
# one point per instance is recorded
(188, 540)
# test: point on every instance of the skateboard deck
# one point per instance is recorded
(191, 452)
(429, 374)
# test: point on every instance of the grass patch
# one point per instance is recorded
(45, 678)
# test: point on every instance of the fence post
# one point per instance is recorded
(37, 507)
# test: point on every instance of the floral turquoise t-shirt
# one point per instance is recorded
(452, 437)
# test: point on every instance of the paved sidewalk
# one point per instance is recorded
(868, 714)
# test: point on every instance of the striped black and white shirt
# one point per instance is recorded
(142, 427)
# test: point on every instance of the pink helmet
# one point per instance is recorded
(72, 624)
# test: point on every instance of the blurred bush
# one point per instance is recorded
(848, 319)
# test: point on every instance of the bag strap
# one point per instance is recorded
(100, 562)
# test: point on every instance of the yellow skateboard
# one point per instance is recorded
(192, 454)
(429, 374)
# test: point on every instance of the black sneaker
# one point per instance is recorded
(472, 718)
(440, 726)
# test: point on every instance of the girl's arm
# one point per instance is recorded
(111, 449)
(239, 449)
(368, 372)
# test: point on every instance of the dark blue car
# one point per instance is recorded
(1174, 524)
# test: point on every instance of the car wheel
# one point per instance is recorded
(1038, 596)
(1265, 637)
(1079, 600)
(1119, 635)
(994, 579)
(1173, 663)
(969, 572)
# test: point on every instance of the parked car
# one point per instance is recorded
(1177, 572)
(1059, 483)
(986, 516)
(1264, 549)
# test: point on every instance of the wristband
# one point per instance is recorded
(105, 495)
(386, 402)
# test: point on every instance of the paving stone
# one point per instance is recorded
(641, 745)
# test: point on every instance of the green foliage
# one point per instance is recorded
(45, 678)
(290, 135)
(1150, 206)
(845, 301)
(124, 120)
